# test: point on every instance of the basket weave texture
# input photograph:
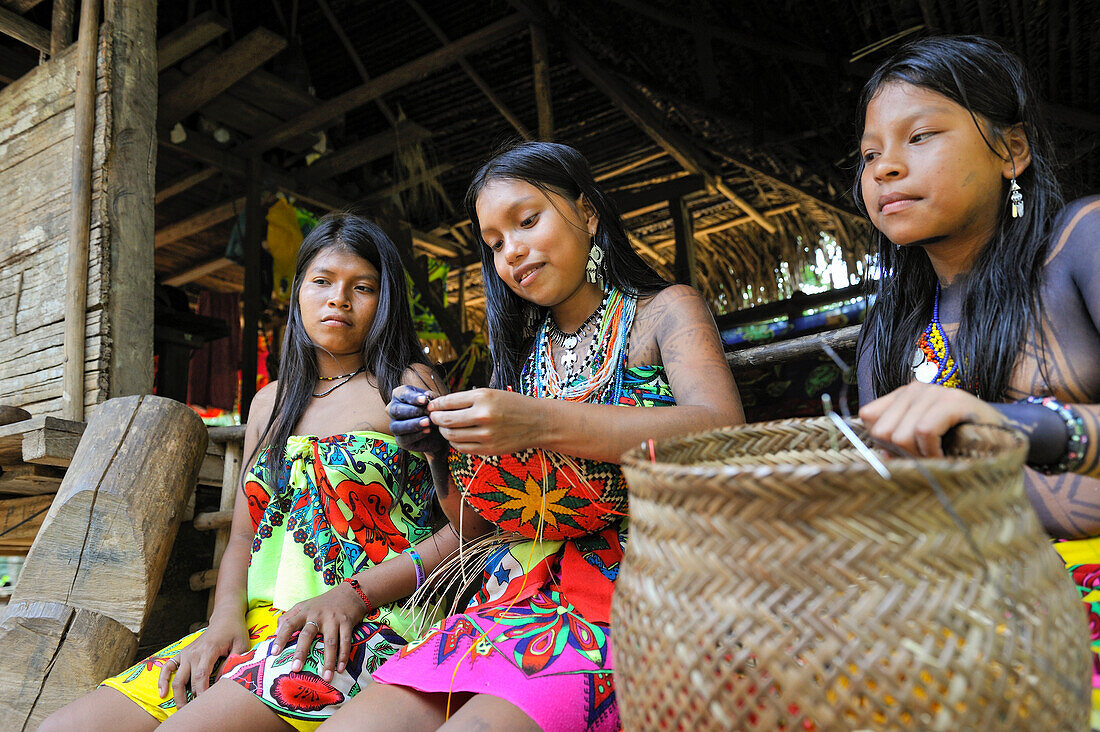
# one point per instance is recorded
(773, 580)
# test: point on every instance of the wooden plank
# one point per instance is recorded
(739, 221)
(437, 246)
(540, 54)
(395, 79)
(203, 521)
(198, 271)
(20, 519)
(634, 202)
(627, 167)
(201, 221)
(228, 433)
(273, 94)
(30, 480)
(366, 150)
(54, 444)
(183, 183)
(23, 30)
(219, 74)
(250, 302)
(189, 38)
(843, 340)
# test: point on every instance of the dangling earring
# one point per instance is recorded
(1016, 198)
(593, 272)
(530, 316)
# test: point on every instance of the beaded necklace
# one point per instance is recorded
(932, 360)
(566, 343)
(601, 375)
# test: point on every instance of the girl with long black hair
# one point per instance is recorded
(988, 283)
(582, 332)
(332, 525)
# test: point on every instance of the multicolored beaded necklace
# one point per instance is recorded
(601, 375)
(932, 360)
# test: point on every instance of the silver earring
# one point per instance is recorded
(531, 316)
(1016, 197)
(593, 271)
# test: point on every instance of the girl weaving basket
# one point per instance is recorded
(581, 333)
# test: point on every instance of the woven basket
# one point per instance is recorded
(774, 581)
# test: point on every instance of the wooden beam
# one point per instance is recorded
(217, 75)
(201, 221)
(740, 221)
(684, 266)
(540, 55)
(843, 340)
(641, 112)
(197, 272)
(23, 30)
(399, 77)
(21, 6)
(366, 150)
(179, 185)
(475, 77)
(250, 309)
(656, 196)
(190, 37)
(626, 168)
(403, 185)
(437, 246)
(61, 25)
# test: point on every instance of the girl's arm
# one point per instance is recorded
(489, 421)
(226, 632)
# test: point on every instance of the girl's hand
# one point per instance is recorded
(487, 421)
(916, 416)
(195, 663)
(331, 617)
(409, 422)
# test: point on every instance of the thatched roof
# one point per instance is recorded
(744, 109)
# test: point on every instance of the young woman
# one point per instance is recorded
(989, 285)
(324, 526)
(581, 333)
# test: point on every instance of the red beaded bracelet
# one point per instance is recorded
(362, 595)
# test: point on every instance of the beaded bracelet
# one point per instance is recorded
(362, 595)
(418, 564)
(1076, 438)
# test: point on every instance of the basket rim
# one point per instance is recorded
(638, 458)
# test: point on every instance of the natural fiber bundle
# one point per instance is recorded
(797, 589)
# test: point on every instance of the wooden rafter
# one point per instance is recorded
(189, 38)
(475, 77)
(20, 6)
(217, 75)
(399, 77)
(24, 30)
(627, 167)
(198, 271)
(641, 112)
(427, 176)
(61, 25)
(364, 151)
(184, 183)
(200, 221)
(732, 223)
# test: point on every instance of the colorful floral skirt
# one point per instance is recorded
(538, 654)
(301, 698)
(1082, 558)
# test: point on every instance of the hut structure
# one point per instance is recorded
(143, 146)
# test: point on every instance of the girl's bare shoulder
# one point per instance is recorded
(1075, 238)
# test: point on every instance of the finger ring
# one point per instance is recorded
(313, 623)
(173, 660)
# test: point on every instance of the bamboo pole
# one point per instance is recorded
(76, 293)
(540, 53)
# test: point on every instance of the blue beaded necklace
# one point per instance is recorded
(932, 360)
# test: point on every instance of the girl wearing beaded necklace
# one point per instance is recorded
(993, 281)
(581, 332)
(329, 508)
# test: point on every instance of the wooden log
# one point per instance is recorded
(228, 433)
(220, 73)
(54, 443)
(23, 30)
(20, 519)
(76, 276)
(230, 481)
(842, 340)
(250, 302)
(51, 654)
(9, 414)
(184, 183)
(209, 521)
(366, 150)
(198, 271)
(204, 580)
(195, 223)
(105, 541)
(684, 264)
(189, 38)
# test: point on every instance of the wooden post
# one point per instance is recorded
(231, 472)
(682, 224)
(61, 32)
(128, 192)
(90, 578)
(540, 52)
(252, 237)
(76, 293)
